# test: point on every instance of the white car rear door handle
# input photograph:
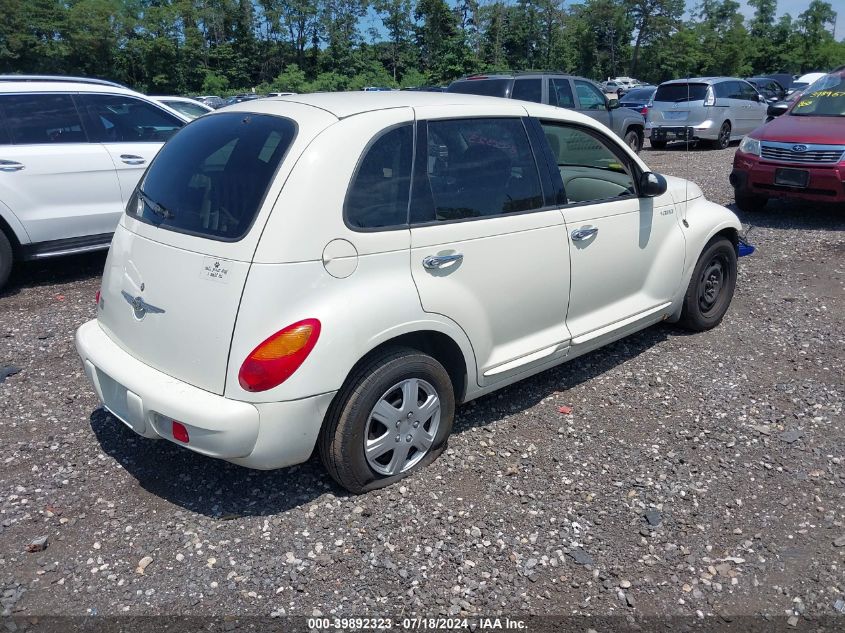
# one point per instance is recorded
(438, 261)
(584, 233)
(10, 165)
(131, 159)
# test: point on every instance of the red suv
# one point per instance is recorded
(800, 154)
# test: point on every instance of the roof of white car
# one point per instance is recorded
(11, 84)
(344, 104)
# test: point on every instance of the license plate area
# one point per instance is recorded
(798, 178)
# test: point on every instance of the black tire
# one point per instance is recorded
(633, 140)
(342, 439)
(724, 139)
(715, 270)
(749, 202)
(658, 144)
(6, 259)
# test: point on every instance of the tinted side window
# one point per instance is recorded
(125, 119)
(378, 196)
(42, 118)
(591, 98)
(560, 93)
(479, 167)
(5, 139)
(528, 90)
(747, 91)
(590, 170)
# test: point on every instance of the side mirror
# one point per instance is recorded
(761, 99)
(612, 104)
(652, 185)
(776, 109)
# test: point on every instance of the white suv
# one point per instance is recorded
(71, 152)
(341, 270)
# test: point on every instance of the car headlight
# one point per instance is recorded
(750, 145)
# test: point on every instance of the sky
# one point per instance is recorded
(794, 8)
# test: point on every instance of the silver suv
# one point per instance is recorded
(714, 109)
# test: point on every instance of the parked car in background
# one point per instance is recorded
(713, 109)
(240, 99)
(769, 88)
(377, 89)
(563, 91)
(784, 79)
(239, 321)
(213, 101)
(611, 87)
(190, 108)
(638, 99)
(280, 94)
(798, 155)
(71, 152)
(805, 80)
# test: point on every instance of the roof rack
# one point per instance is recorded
(62, 78)
(516, 73)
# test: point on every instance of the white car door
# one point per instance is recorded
(130, 129)
(627, 252)
(58, 184)
(486, 249)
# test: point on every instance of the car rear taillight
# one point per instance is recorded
(97, 297)
(279, 356)
(644, 110)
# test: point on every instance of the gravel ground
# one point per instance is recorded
(696, 474)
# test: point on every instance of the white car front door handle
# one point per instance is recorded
(131, 159)
(10, 165)
(439, 261)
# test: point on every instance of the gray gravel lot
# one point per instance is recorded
(697, 474)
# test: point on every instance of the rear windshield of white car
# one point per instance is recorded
(210, 179)
(483, 87)
(676, 93)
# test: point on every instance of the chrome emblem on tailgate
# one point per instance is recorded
(139, 306)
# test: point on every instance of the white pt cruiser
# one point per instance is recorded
(341, 270)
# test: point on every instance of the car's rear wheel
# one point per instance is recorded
(6, 259)
(711, 287)
(658, 144)
(393, 416)
(633, 140)
(749, 202)
(724, 138)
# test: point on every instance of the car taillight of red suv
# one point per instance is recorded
(800, 154)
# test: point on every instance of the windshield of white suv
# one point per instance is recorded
(825, 97)
(675, 93)
(210, 179)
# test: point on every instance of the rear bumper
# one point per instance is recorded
(755, 177)
(264, 436)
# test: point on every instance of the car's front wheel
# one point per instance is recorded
(393, 415)
(711, 287)
(6, 258)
